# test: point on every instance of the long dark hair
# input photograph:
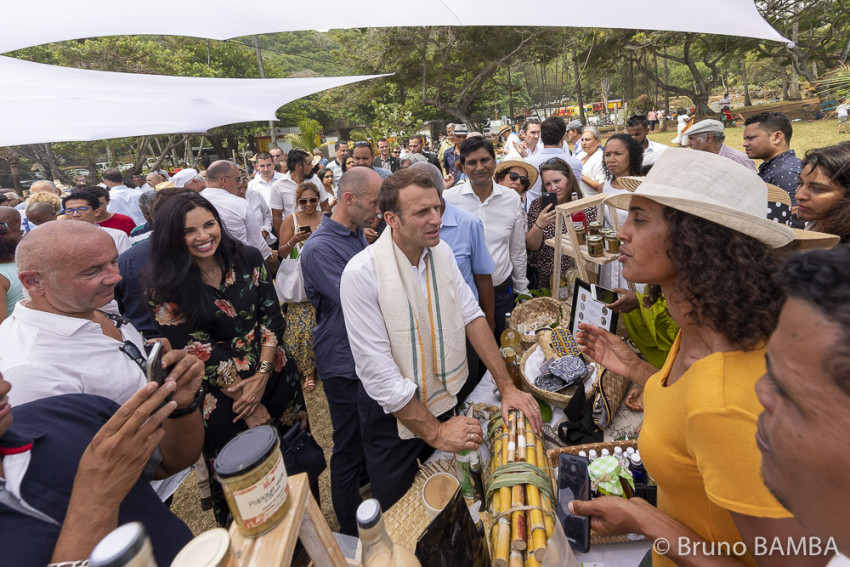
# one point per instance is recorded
(835, 163)
(732, 289)
(173, 275)
(635, 155)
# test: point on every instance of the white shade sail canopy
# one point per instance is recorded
(59, 20)
(45, 103)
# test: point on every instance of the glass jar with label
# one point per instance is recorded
(251, 471)
(594, 228)
(579, 227)
(594, 246)
(612, 244)
(125, 546)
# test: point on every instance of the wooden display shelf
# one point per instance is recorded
(568, 250)
(303, 521)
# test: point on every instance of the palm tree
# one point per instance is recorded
(309, 137)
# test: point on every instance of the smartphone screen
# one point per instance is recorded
(573, 484)
(602, 294)
(305, 228)
(547, 198)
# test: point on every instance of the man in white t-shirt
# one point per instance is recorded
(282, 201)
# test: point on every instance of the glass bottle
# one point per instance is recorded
(378, 549)
(509, 356)
(510, 337)
(639, 473)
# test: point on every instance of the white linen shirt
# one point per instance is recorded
(125, 201)
(119, 237)
(593, 169)
(262, 213)
(504, 229)
(652, 152)
(367, 332)
(45, 354)
(238, 218)
(283, 195)
(264, 187)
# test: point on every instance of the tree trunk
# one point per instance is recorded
(14, 168)
(578, 88)
(510, 95)
(666, 88)
(794, 85)
(784, 78)
(747, 101)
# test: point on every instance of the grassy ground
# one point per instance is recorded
(187, 503)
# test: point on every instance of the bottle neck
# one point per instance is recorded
(377, 545)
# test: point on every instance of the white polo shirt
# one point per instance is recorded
(238, 218)
(44, 354)
(264, 187)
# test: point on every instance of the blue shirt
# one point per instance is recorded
(464, 233)
(323, 259)
(56, 431)
(130, 294)
(384, 173)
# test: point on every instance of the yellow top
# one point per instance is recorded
(698, 443)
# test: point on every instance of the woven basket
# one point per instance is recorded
(543, 310)
(554, 455)
(554, 398)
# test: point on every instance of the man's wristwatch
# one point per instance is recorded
(265, 367)
(182, 412)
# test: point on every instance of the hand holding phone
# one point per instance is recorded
(305, 228)
(548, 198)
(573, 484)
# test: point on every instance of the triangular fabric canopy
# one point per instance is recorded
(45, 103)
(59, 20)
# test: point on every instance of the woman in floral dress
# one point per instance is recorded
(213, 297)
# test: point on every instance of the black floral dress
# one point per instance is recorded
(244, 316)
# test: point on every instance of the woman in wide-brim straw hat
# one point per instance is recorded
(697, 231)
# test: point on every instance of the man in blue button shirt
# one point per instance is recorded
(325, 254)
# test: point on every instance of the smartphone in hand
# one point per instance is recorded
(573, 484)
(547, 198)
(305, 228)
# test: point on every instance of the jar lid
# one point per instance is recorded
(594, 237)
(245, 451)
(595, 223)
(210, 549)
(119, 546)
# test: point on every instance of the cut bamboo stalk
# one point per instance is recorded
(503, 543)
(520, 437)
(518, 529)
(516, 559)
(530, 557)
(511, 455)
(544, 500)
(536, 525)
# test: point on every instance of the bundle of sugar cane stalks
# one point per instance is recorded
(520, 493)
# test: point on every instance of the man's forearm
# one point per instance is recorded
(181, 446)
(479, 335)
(84, 525)
(416, 417)
(277, 218)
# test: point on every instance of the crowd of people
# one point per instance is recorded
(386, 273)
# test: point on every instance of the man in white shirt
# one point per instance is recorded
(278, 157)
(260, 208)
(282, 202)
(390, 400)
(235, 213)
(83, 206)
(341, 149)
(266, 176)
(637, 127)
(552, 132)
(59, 341)
(122, 199)
(500, 209)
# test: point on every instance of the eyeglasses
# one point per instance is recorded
(362, 145)
(396, 152)
(522, 178)
(78, 210)
(554, 160)
(134, 354)
(311, 201)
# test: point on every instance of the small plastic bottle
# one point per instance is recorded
(639, 473)
(583, 454)
(606, 453)
(592, 456)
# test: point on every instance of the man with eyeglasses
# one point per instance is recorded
(236, 214)
(84, 206)
(363, 156)
(384, 159)
(282, 200)
(552, 132)
(500, 209)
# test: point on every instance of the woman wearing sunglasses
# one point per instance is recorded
(211, 296)
(301, 316)
(516, 175)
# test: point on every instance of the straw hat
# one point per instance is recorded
(505, 128)
(165, 185)
(712, 187)
(508, 164)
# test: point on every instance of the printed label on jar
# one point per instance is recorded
(261, 500)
